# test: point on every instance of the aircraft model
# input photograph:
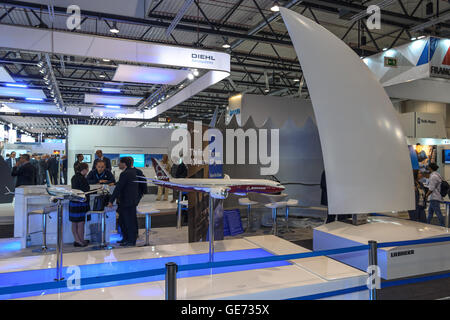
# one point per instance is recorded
(61, 193)
(217, 188)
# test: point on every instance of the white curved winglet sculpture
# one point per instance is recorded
(365, 154)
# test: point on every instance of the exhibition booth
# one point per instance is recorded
(349, 130)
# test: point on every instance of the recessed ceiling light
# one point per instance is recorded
(275, 7)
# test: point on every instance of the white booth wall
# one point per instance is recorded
(122, 140)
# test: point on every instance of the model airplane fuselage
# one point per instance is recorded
(61, 193)
(217, 188)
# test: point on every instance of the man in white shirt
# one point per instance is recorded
(434, 194)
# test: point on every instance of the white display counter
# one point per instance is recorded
(394, 262)
(31, 198)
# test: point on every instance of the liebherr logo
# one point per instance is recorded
(402, 253)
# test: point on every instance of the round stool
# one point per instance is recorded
(274, 206)
(148, 211)
(44, 212)
(103, 244)
(289, 203)
(249, 203)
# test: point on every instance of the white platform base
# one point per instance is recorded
(394, 262)
(303, 277)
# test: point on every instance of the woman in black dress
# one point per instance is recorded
(77, 210)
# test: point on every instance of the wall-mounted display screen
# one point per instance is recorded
(446, 156)
(139, 159)
(87, 158)
(425, 155)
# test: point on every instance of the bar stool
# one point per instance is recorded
(289, 203)
(148, 211)
(247, 202)
(180, 205)
(44, 212)
(274, 206)
(103, 244)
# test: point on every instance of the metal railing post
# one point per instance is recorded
(373, 267)
(59, 243)
(180, 196)
(447, 209)
(44, 231)
(211, 229)
(171, 281)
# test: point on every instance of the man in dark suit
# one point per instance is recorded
(127, 193)
(11, 161)
(99, 154)
(24, 171)
(53, 166)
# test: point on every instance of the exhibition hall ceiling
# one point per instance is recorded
(263, 60)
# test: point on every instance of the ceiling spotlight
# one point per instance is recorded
(385, 49)
(102, 76)
(413, 38)
(420, 37)
(275, 7)
(266, 90)
(40, 64)
(114, 28)
(190, 76)
(106, 60)
(226, 45)
(297, 80)
(195, 72)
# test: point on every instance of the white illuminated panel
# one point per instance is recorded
(151, 75)
(22, 93)
(4, 76)
(109, 99)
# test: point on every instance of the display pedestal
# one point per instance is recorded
(394, 262)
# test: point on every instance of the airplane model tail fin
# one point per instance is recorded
(49, 184)
(161, 173)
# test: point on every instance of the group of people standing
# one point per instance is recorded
(127, 193)
(31, 169)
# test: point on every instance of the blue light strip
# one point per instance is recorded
(412, 242)
(413, 280)
(330, 293)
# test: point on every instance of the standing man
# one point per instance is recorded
(80, 159)
(126, 192)
(24, 171)
(11, 161)
(53, 166)
(64, 168)
(99, 154)
(43, 167)
(434, 194)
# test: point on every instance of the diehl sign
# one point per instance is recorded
(441, 72)
(204, 57)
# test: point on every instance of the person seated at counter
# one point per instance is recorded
(101, 157)
(99, 175)
(24, 171)
(77, 210)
